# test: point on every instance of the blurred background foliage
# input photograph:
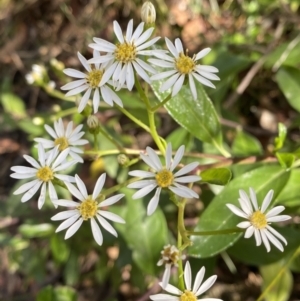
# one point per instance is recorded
(256, 46)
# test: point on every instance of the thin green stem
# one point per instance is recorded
(57, 94)
(112, 140)
(155, 108)
(222, 150)
(154, 133)
(96, 144)
(134, 119)
(117, 187)
(214, 232)
(180, 265)
(66, 112)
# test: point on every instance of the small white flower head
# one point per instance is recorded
(124, 56)
(169, 256)
(88, 208)
(64, 138)
(183, 67)
(148, 13)
(36, 75)
(190, 293)
(258, 220)
(90, 81)
(44, 171)
(162, 177)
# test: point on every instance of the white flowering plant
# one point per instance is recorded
(147, 185)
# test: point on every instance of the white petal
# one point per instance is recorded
(84, 100)
(96, 232)
(22, 175)
(111, 200)
(149, 162)
(111, 216)
(249, 232)
(141, 184)
(52, 192)
(168, 156)
(278, 218)
(64, 215)
(277, 234)
(140, 71)
(26, 187)
(173, 290)
(257, 236)
(118, 32)
(198, 280)
(107, 226)
(209, 75)
(163, 297)
(207, 68)
(253, 198)
(42, 196)
(186, 169)
(162, 63)
(246, 207)
(183, 191)
(65, 178)
(172, 48)
(99, 185)
(163, 75)
(41, 154)
(144, 191)
(274, 240)
(61, 157)
(66, 203)
(32, 161)
(188, 276)
(267, 200)
(84, 62)
(81, 187)
(244, 225)
(144, 37)
(153, 202)
(274, 211)
(137, 32)
(141, 174)
(192, 86)
(166, 276)
(68, 222)
(154, 158)
(77, 90)
(75, 191)
(23, 169)
(129, 30)
(236, 211)
(73, 229)
(129, 76)
(178, 45)
(74, 84)
(50, 131)
(96, 100)
(170, 82)
(178, 85)
(146, 45)
(202, 53)
(206, 285)
(187, 179)
(74, 73)
(106, 95)
(178, 156)
(30, 193)
(265, 241)
(203, 80)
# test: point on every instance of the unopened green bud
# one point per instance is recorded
(123, 159)
(93, 124)
(58, 65)
(148, 13)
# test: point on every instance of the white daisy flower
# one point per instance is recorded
(124, 56)
(44, 171)
(163, 177)
(89, 208)
(169, 256)
(183, 67)
(258, 220)
(189, 294)
(68, 138)
(92, 80)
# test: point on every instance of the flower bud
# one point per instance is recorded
(37, 75)
(148, 13)
(93, 124)
(123, 159)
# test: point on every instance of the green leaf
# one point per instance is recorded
(196, 116)
(64, 293)
(286, 160)
(217, 176)
(288, 80)
(145, 235)
(41, 230)
(46, 294)
(246, 145)
(59, 248)
(13, 104)
(245, 250)
(282, 288)
(290, 194)
(279, 140)
(218, 217)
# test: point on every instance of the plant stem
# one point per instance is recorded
(155, 108)
(118, 186)
(112, 140)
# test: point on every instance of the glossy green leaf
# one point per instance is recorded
(282, 288)
(41, 230)
(290, 195)
(13, 104)
(218, 217)
(217, 176)
(196, 116)
(246, 145)
(279, 140)
(145, 235)
(288, 80)
(286, 160)
(245, 250)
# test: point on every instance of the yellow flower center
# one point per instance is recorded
(188, 296)
(184, 64)
(62, 142)
(258, 220)
(164, 178)
(45, 174)
(125, 52)
(94, 78)
(88, 209)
